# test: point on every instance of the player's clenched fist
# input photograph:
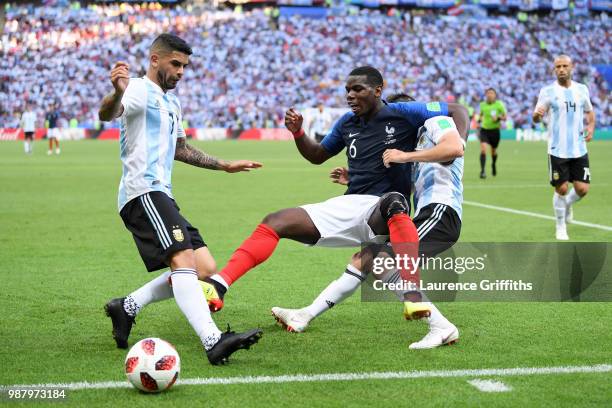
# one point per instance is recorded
(120, 76)
(541, 110)
(293, 120)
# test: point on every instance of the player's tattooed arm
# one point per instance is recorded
(195, 157)
(308, 148)
(461, 117)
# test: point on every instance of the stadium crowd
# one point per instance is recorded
(248, 67)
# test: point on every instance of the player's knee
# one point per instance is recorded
(183, 259)
(206, 268)
(581, 190)
(561, 189)
(393, 203)
(283, 222)
(274, 221)
(356, 260)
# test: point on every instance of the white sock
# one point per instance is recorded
(153, 291)
(26, 147)
(436, 318)
(336, 291)
(572, 197)
(190, 299)
(559, 205)
(218, 278)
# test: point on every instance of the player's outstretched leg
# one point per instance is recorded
(190, 299)
(291, 223)
(404, 240)
(297, 320)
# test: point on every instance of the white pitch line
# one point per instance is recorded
(536, 215)
(490, 386)
(392, 375)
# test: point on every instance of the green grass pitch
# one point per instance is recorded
(65, 252)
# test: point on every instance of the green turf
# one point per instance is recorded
(66, 252)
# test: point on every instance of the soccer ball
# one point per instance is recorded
(152, 365)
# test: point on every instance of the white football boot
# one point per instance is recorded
(561, 233)
(437, 337)
(293, 320)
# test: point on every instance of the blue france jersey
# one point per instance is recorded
(150, 126)
(395, 126)
(437, 182)
(565, 109)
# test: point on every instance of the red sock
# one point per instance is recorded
(253, 251)
(405, 242)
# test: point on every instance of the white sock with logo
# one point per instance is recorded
(153, 291)
(337, 291)
(559, 204)
(190, 299)
(572, 197)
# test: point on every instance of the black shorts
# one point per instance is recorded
(574, 169)
(439, 227)
(159, 229)
(28, 135)
(489, 136)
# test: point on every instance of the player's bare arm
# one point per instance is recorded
(461, 117)
(590, 127)
(449, 148)
(195, 157)
(308, 148)
(111, 107)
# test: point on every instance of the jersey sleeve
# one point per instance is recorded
(543, 100)
(133, 97)
(503, 107)
(438, 126)
(418, 112)
(333, 142)
(588, 106)
(180, 131)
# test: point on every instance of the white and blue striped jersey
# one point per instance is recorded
(150, 125)
(566, 107)
(436, 182)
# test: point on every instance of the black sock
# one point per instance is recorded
(494, 158)
(221, 290)
(483, 160)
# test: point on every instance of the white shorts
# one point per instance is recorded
(343, 221)
(53, 132)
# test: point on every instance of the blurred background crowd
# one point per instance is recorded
(248, 67)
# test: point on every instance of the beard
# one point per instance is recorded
(165, 81)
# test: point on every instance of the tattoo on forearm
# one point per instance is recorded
(190, 155)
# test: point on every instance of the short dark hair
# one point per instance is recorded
(491, 89)
(400, 97)
(169, 42)
(373, 76)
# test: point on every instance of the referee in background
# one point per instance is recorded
(492, 113)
